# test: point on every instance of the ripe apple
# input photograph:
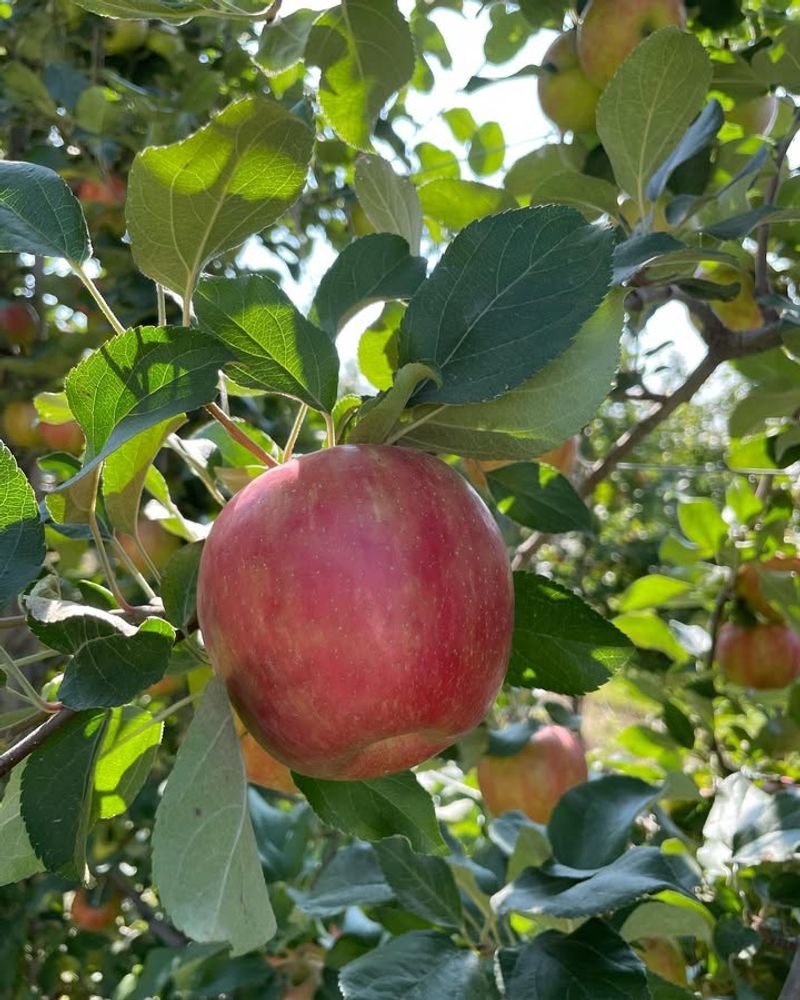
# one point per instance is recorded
(108, 191)
(89, 917)
(19, 324)
(533, 780)
(743, 312)
(566, 95)
(611, 29)
(67, 436)
(260, 767)
(665, 958)
(759, 656)
(358, 603)
(756, 116)
(20, 424)
(748, 583)
(159, 543)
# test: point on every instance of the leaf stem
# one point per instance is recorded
(161, 302)
(294, 434)
(239, 435)
(131, 567)
(96, 294)
(28, 692)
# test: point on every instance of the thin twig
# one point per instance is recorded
(239, 435)
(166, 933)
(33, 739)
(13, 621)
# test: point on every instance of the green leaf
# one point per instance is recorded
(179, 585)
(381, 416)
(57, 793)
(537, 274)
(487, 150)
(127, 754)
(591, 824)
(651, 591)
(365, 52)
(22, 548)
(435, 162)
(679, 725)
(461, 123)
(702, 524)
(648, 631)
(218, 863)
(18, 860)
(39, 214)
(376, 808)
(564, 892)
(648, 105)
(779, 64)
(638, 252)
(544, 411)
(275, 348)
(351, 878)
(696, 137)
(423, 885)
(377, 348)
(111, 660)
(560, 643)
(423, 965)
(594, 961)
(680, 917)
(390, 201)
(238, 174)
(592, 196)
(282, 44)
(539, 497)
(371, 269)
(125, 471)
(455, 203)
(143, 377)
(171, 11)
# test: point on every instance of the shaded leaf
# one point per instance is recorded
(423, 885)
(18, 860)
(390, 201)
(352, 877)
(539, 497)
(22, 548)
(39, 214)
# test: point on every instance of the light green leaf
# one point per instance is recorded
(592, 196)
(649, 104)
(127, 753)
(703, 524)
(680, 917)
(205, 859)
(377, 348)
(39, 214)
(18, 859)
(365, 52)
(648, 631)
(22, 548)
(390, 201)
(455, 203)
(487, 149)
(237, 175)
(282, 44)
(652, 591)
(171, 11)
(381, 416)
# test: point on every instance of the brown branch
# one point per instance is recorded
(15, 621)
(762, 270)
(791, 988)
(20, 750)
(164, 931)
(239, 435)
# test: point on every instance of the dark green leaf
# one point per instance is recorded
(172, 11)
(376, 808)
(39, 214)
(696, 137)
(591, 824)
(560, 643)
(539, 497)
(351, 878)
(57, 793)
(281, 835)
(179, 585)
(536, 274)
(679, 725)
(283, 42)
(275, 348)
(371, 269)
(423, 885)
(634, 254)
(22, 548)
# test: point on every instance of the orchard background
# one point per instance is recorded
(596, 323)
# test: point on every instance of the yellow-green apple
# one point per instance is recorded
(360, 221)
(535, 778)
(20, 424)
(159, 544)
(87, 915)
(358, 603)
(125, 36)
(665, 958)
(742, 312)
(108, 191)
(19, 324)
(657, 221)
(567, 96)
(261, 767)
(66, 436)
(611, 29)
(756, 116)
(763, 656)
(748, 583)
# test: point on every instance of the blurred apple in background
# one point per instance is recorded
(763, 657)
(567, 96)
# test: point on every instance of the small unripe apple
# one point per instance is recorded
(19, 324)
(359, 221)
(67, 436)
(763, 657)
(567, 96)
(261, 767)
(748, 583)
(125, 36)
(88, 917)
(664, 957)
(159, 543)
(535, 778)
(742, 312)
(108, 191)
(20, 424)
(358, 603)
(611, 29)
(756, 116)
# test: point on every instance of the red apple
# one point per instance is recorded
(759, 656)
(62, 437)
(611, 29)
(19, 324)
(20, 424)
(748, 583)
(90, 917)
(107, 191)
(533, 780)
(159, 543)
(567, 96)
(358, 603)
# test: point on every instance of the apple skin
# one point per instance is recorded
(743, 312)
(261, 767)
(160, 544)
(748, 583)
(358, 603)
(664, 957)
(62, 437)
(763, 657)
(20, 424)
(19, 324)
(108, 191)
(567, 96)
(756, 116)
(87, 917)
(611, 29)
(533, 780)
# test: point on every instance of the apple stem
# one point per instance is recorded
(295, 432)
(96, 294)
(239, 435)
(330, 439)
